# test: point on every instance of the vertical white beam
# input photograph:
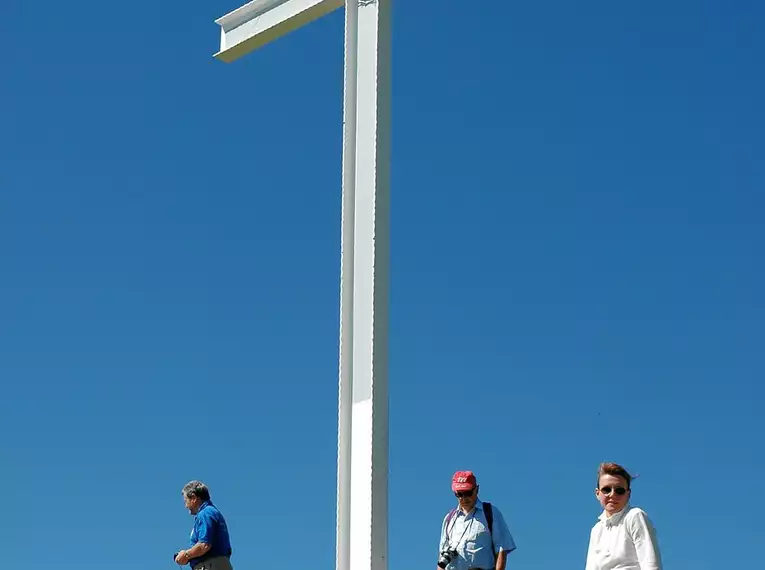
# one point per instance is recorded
(362, 478)
(369, 441)
(345, 423)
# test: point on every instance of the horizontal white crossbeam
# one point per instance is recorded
(261, 21)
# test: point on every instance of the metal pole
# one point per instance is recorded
(345, 411)
(369, 444)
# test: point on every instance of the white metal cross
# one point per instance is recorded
(362, 473)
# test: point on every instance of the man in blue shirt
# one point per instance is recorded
(468, 540)
(210, 544)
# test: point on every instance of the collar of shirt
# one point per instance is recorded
(614, 519)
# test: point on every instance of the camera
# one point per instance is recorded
(446, 556)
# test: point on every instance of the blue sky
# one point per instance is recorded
(577, 276)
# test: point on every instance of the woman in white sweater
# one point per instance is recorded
(624, 537)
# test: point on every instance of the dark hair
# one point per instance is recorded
(196, 489)
(615, 470)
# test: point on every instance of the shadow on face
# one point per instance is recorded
(191, 503)
(467, 499)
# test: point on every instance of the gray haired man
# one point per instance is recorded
(210, 544)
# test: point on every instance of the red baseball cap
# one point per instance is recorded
(463, 481)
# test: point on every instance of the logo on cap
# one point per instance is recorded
(463, 481)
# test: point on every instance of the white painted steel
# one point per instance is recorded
(345, 392)
(363, 448)
(261, 21)
(369, 458)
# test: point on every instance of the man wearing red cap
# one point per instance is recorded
(474, 536)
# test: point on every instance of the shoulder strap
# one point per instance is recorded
(489, 515)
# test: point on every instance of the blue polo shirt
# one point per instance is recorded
(210, 527)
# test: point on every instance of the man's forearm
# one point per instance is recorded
(199, 549)
(501, 560)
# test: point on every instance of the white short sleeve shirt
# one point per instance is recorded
(624, 541)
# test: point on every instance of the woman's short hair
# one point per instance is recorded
(615, 470)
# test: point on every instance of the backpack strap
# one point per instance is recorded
(489, 514)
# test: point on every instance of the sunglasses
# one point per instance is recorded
(460, 494)
(618, 490)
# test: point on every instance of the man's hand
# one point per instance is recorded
(182, 558)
